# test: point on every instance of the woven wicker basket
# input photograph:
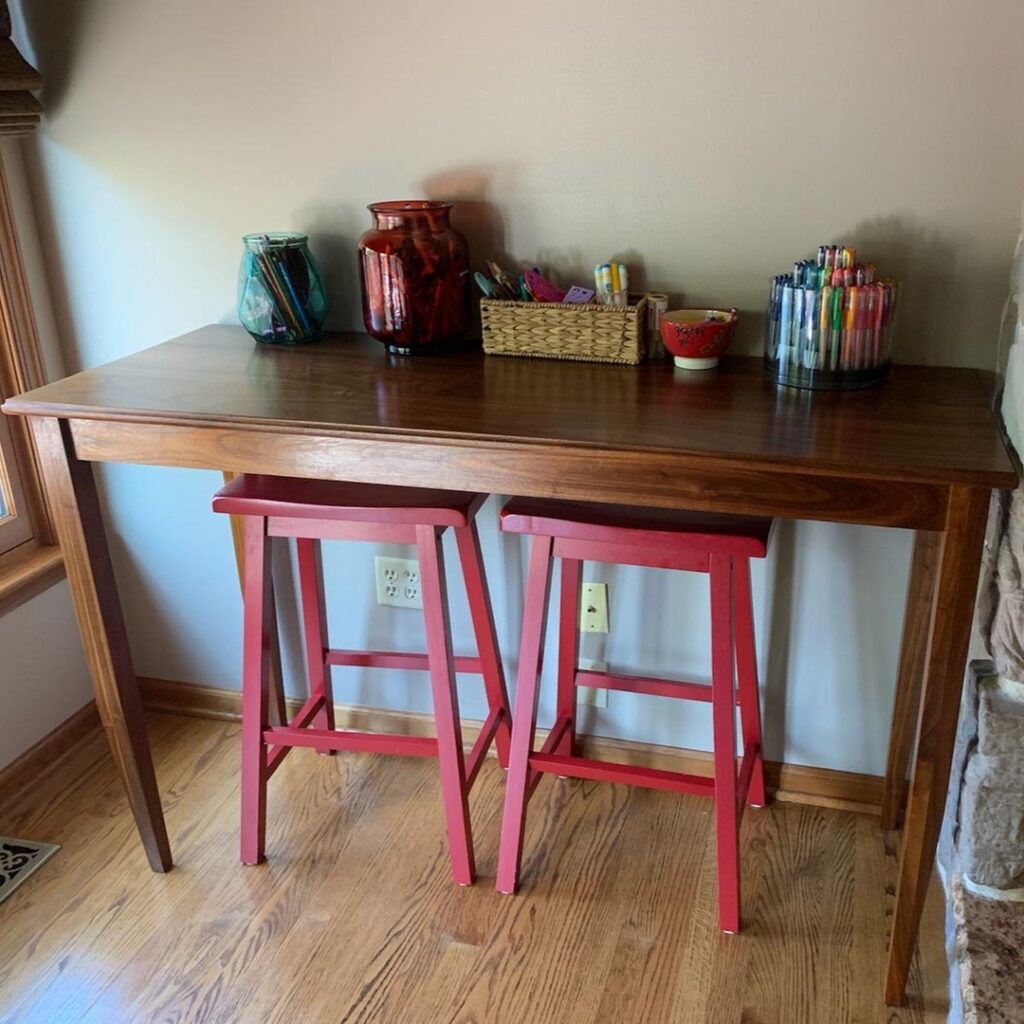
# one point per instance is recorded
(560, 330)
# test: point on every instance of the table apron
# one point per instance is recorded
(657, 479)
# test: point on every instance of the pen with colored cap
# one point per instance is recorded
(810, 333)
(798, 323)
(878, 300)
(785, 325)
(849, 337)
(825, 325)
(773, 316)
(837, 327)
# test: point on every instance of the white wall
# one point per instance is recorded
(708, 143)
(43, 678)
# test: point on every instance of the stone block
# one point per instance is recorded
(991, 841)
(1001, 718)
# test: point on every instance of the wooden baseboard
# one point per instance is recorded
(42, 757)
(824, 787)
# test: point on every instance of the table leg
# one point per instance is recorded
(948, 639)
(71, 490)
(916, 620)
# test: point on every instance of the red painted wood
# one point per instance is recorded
(255, 664)
(645, 684)
(748, 692)
(568, 650)
(520, 783)
(340, 739)
(314, 629)
(253, 494)
(483, 742)
(643, 527)
(396, 659)
(631, 554)
(446, 704)
(723, 714)
(336, 529)
(467, 541)
(624, 774)
(555, 737)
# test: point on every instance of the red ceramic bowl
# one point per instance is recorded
(697, 337)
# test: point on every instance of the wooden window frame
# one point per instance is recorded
(30, 560)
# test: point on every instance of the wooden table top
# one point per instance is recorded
(924, 423)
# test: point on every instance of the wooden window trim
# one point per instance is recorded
(34, 564)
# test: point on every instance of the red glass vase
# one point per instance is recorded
(414, 268)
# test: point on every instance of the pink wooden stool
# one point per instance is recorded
(315, 510)
(718, 545)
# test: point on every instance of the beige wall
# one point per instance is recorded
(710, 142)
(707, 143)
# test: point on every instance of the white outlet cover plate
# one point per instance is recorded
(594, 608)
(592, 696)
(398, 582)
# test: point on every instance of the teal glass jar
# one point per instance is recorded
(281, 296)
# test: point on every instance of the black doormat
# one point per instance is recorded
(18, 859)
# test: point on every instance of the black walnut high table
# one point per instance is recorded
(921, 452)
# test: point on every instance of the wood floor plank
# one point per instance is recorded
(354, 917)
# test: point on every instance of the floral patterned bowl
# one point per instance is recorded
(697, 337)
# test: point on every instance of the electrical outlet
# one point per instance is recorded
(594, 608)
(592, 696)
(398, 582)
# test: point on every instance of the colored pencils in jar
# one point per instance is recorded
(830, 314)
(288, 306)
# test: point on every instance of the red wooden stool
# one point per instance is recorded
(315, 510)
(718, 545)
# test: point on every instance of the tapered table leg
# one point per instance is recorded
(948, 638)
(71, 489)
(916, 621)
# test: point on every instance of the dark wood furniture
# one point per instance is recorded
(920, 452)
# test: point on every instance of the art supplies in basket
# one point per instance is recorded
(830, 323)
(528, 315)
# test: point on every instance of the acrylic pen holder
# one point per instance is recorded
(827, 341)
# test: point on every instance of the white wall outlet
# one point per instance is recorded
(398, 582)
(592, 696)
(594, 608)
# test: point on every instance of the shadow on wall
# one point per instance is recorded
(54, 29)
(777, 633)
(334, 239)
(924, 262)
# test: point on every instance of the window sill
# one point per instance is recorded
(25, 576)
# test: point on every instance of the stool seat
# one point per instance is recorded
(253, 494)
(745, 536)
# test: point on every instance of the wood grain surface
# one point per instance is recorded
(354, 918)
(930, 424)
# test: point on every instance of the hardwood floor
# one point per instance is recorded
(354, 917)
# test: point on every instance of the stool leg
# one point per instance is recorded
(746, 673)
(256, 642)
(524, 717)
(568, 649)
(315, 630)
(446, 704)
(467, 540)
(723, 711)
